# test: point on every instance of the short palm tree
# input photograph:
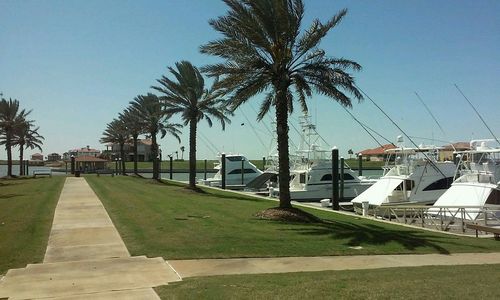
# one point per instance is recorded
(150, 111)
(265, 51)
(134, 127)
(186, 95)
(26, 137)
(10, 119)
(116, 133)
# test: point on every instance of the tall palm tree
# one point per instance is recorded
(265, 51)
(134, 127)
(116, 133)
(10, 119)
(188, 97)
(26, 137)
(154, 121)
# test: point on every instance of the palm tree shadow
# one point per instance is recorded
(372, 234)
(8, 196)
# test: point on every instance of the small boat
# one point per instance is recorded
(411, 176)
(478, 182)
(239, 171)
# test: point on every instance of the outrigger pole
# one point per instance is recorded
(484, 122)
(430, 113)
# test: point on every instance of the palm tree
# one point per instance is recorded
(26, 137)
(265, 51)
(188, 97)
(182, 152)
(116, 133)
(10, 119)
(134, 127)
(154, 120)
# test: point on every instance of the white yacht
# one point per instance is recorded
(478, 180)
(411, 175)
(311, 170)
(239, 171)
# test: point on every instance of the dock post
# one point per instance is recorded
(171, 158)
(223, 171)
(205, 174)
(242, 171)
(341, 189)
(335, 178)
(360, 164)
(263, 163)
(27, 167)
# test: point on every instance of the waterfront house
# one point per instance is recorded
(143, 150)
(376, 154)
(54, 157)
(37, 156)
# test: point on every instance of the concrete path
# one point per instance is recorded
(209, 267)
(86, 257)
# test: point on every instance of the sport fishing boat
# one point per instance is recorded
(239, 171)
(477, 183)
(311, 170)
(411, 176)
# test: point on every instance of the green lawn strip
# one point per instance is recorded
(431, 282)
(170, 221)
(26, 212)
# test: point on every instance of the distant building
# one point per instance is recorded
(86, 151)
(37, 156)
(89, 164)
(54, 157)
(376, 154)
(143, 150)
(447, 152)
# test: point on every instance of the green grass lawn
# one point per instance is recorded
(26, 211)
(169, 221)
(432, 282)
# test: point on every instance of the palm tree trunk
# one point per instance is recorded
(192, 153)
(284, 163)
(122, 154)
(9, 155)
(154, 151)
(135, 154)
(21, 154)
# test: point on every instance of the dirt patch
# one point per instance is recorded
(291, 214)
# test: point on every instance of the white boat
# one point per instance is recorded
(411, 175)
(477, 184)
(311, 170)
(235, 163)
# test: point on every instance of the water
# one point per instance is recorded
(15, 170)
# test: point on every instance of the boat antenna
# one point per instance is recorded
(477, 113)
(252, 127)
(208, 143)
(430, 113)
(362, 126)
(399, 128)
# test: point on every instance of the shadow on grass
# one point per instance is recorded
(8, 196)
(373, 234)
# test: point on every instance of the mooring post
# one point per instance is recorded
(27, 167)
(360, 164)
(263, 163)
(171, 163)
(223, 171)
(341, 190)
(335, 178)
(242, 171)
(205, 168)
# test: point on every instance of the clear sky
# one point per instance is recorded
(77, 64)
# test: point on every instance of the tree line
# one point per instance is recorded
(17, 130)
(264, 50)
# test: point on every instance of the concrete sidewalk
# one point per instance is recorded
(210, 267)
(86, 257)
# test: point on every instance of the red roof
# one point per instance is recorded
(89, 159)
(377, 151)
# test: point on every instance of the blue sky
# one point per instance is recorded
(77, 64)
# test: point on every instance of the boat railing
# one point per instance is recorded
(443, 218)
(478, 177)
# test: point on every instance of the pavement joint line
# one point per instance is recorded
(177, 273)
